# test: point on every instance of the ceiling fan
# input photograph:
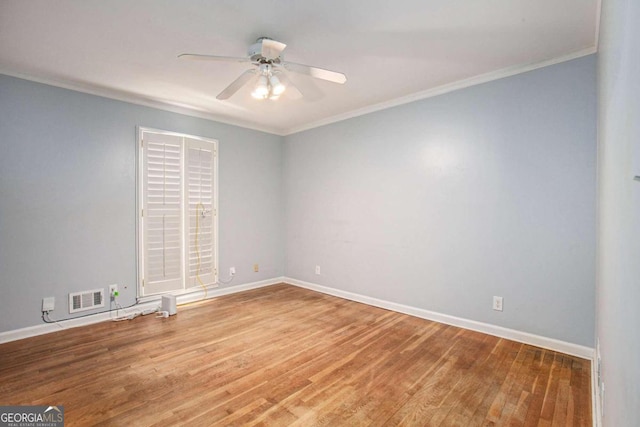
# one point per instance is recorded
(269, 71)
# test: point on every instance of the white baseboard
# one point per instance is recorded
(218, 292)
(498, 331)
(47, 328)
(596, 408)
(519, 336)
(596, 398)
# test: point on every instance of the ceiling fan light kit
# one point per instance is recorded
(268, 85)
(276, 86)
(261, 89)
(270, 72)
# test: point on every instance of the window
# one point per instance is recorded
(178, 212)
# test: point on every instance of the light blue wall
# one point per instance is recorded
(67, 196)
(443, 203)
(618, 283)
(438, 204)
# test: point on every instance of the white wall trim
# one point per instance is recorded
(131, 98)
(186, 298)
(166, 105)
(598, 16)
(524, 337)
(595, 395)
(440, 90)
(218, 292)
(498, 331)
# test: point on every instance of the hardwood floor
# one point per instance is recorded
(283, 355)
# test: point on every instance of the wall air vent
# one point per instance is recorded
(87, 300)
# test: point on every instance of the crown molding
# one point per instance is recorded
(119, 95)
(165, 105)
(596, 41)
(446, 88)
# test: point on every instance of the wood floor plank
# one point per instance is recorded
(281, 356)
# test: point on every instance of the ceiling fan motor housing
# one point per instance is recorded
(255, 52)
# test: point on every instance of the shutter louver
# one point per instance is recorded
(200, 254)
(163, 212)
(178, 199)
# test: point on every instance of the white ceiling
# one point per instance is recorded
(391, 51)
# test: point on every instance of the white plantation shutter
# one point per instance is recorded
(178, 242)
(200, 252)
(162, 206)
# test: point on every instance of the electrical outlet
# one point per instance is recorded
(48, 304)
(318, 270)
(232, 271)
(497, 303)
(113, 291)
(256, 268)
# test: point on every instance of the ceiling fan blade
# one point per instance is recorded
(311, 91)
(292, 91)
(271, 49)
(201, 57)
(236, 85)
(318, 73)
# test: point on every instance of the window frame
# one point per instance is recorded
(140, 194)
